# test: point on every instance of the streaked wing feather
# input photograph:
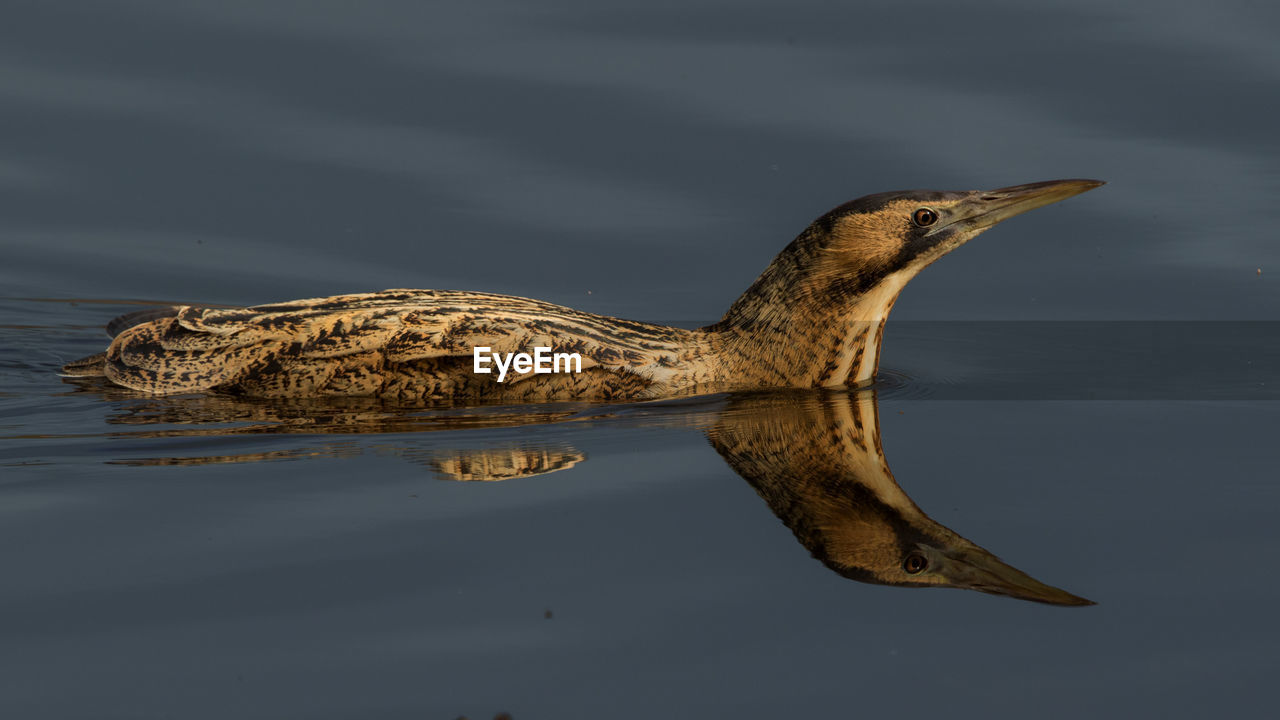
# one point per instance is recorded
(137, 317)
(342, 344)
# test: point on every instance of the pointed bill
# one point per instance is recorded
(977, 569)
(981, 210)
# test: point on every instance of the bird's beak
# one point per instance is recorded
(981, 210)
(977, 569)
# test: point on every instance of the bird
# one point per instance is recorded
(814, 318)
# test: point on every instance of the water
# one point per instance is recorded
(1088, 391)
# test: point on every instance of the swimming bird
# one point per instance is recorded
(814, 318)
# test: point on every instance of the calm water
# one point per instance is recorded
(1089, 392)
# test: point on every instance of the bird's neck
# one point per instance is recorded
(809, 320)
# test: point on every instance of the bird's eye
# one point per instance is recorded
(924, 217)
(915, 563)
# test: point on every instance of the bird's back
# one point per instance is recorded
(415, 344)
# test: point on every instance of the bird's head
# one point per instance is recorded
(815, 316)
(851, 263)
(896, 234)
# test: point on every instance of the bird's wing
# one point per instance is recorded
(313, 344)
(137, 317)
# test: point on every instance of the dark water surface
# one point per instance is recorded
(1089, 392)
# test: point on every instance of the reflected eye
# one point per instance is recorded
(924, 217)
(915, 563)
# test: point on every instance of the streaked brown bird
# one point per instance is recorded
(814, 318)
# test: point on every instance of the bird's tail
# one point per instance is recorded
(92, 366)
(95, 365)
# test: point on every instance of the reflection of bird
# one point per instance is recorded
(508, 463)
(814, 457)
(814, 318)
(820, 467)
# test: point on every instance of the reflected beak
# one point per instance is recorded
(977, 569)
(984, 209)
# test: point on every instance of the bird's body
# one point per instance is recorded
(408, 344)
(814, 318)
